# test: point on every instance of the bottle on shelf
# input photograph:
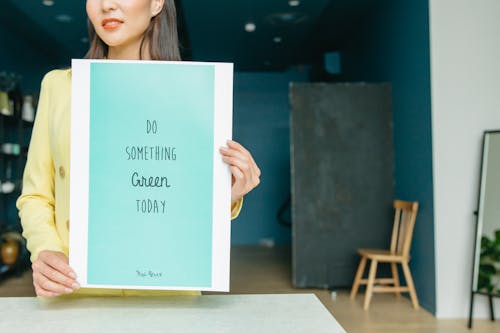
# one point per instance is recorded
(28, 111)
(6, 105)
(10, 148)
(8, 186)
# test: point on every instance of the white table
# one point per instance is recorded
(185, 314)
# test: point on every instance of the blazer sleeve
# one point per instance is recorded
(236, 208)
(36, 203)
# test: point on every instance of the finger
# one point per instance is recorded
(237, 189)
(245, 167)
(233, 145)
(51, 286)
(258, 170)
(249, 168)
(239, 177)
(242, 184)
(236, 153)
(237, 146)
(60, 263)
(56, 276)
(42, 292)
(246, 159)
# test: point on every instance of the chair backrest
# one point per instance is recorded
(402, 232)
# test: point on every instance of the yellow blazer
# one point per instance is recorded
(44, 202)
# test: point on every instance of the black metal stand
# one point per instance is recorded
(469, 324)
(490, 299)
(492, 311)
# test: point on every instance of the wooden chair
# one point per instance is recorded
(399, 253)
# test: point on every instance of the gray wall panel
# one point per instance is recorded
(342, 178)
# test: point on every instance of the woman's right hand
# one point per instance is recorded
(52, 275)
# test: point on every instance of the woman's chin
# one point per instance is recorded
(112, 42)
(118, 41)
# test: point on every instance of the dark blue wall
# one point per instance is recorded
(392, 45)
(262, 124)
(20, 56)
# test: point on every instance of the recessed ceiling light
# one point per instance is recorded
(64, 18)
(277, 39)
(250, 27)
(286, 18)
(48, 3)
(294, 3)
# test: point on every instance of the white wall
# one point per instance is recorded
(465, 76)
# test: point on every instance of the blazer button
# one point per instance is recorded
(62, 172)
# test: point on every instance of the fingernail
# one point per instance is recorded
(72, 275)
(75, 286)
(223, 148)
(68, 291)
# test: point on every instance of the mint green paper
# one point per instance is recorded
(127, 243)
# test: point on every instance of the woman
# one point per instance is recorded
(119, 29)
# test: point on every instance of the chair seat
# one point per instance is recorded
(381, 255)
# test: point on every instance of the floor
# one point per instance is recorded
(267, 270)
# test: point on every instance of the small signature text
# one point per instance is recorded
(148, 274)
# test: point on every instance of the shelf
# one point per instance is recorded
(14, 120)
(15, 136)
(10, 155)
(28, 123)
(9, 120)
(4, 116)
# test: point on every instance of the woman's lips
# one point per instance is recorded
(111, 23)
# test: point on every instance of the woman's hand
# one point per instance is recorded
(245, 171)
(52, 275)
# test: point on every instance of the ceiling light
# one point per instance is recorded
(294, 3)
(250, 27)
(277, 39)
(48, 3)
(286, 18)
(64, 18)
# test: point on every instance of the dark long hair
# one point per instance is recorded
(161, 36)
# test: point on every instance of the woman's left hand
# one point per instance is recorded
(245, 171)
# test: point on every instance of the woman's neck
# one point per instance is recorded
(129, 52)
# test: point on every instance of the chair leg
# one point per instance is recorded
(395, 276)
(411, 286)
(357, 279)
(371, 281)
